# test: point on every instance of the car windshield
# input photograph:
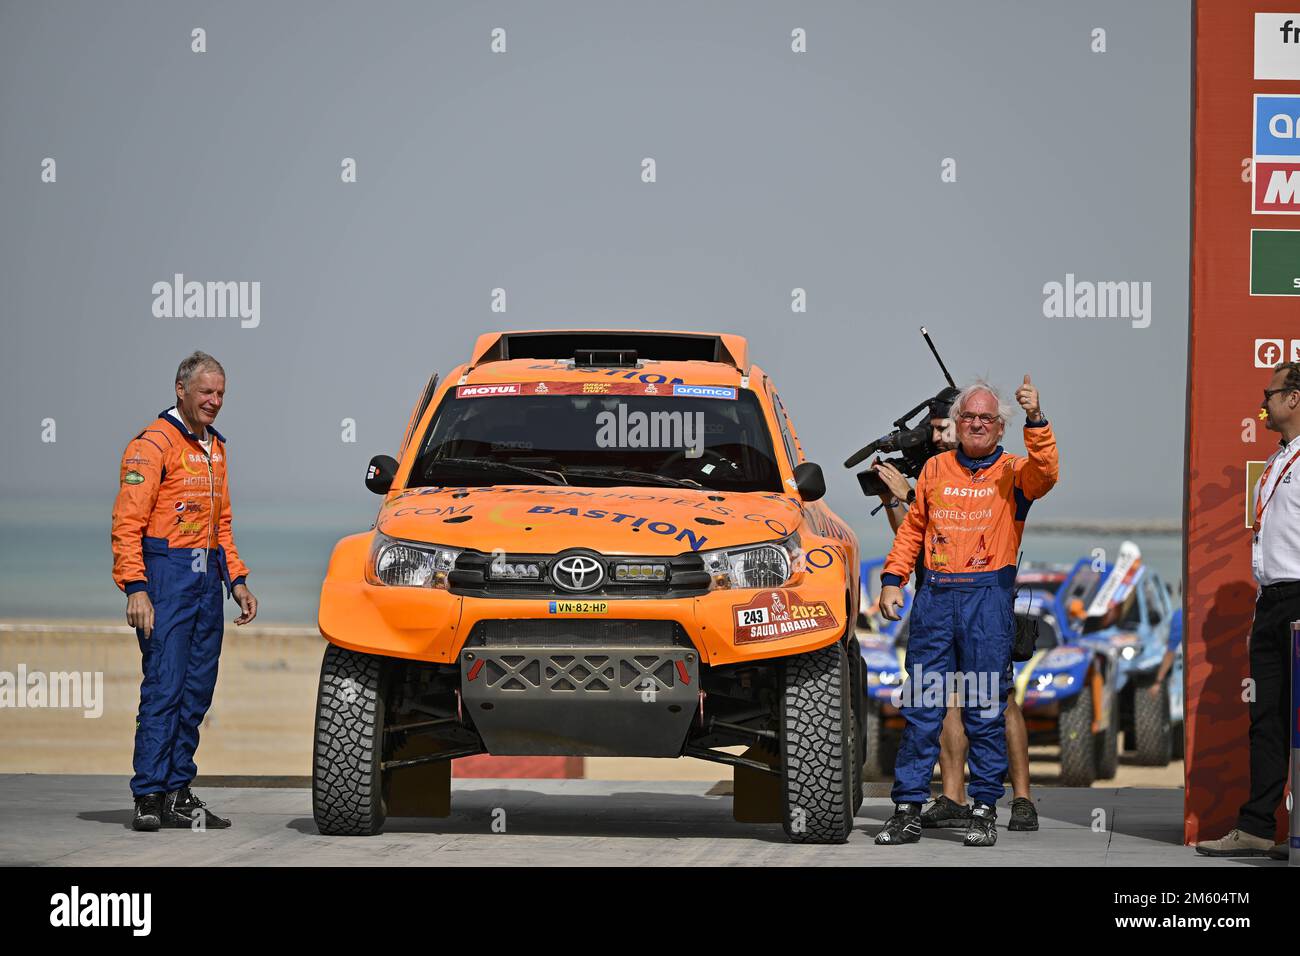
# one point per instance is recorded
(1127, 614)
(515, 434)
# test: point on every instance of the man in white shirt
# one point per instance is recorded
(1275, 561)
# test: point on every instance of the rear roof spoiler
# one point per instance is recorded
(659, 346)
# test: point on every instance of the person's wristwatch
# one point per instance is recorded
(911, 496)
(891, 505)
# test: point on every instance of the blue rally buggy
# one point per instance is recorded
(1127, 609)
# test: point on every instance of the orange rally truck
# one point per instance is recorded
(596, 543)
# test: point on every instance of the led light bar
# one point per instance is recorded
(629, 571)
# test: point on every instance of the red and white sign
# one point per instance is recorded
(772, 615)
(487, 391)
(1277, 187)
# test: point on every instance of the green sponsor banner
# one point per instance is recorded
(1275, 262)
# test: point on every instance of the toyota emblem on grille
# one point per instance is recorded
(577, 572)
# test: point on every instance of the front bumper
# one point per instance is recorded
(581, 701)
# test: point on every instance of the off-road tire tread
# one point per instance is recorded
(347, 792)
(817, 747)
(1078, 749)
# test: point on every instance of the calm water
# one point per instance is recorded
(55, 560)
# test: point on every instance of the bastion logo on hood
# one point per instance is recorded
(691, 520)
(686, 535)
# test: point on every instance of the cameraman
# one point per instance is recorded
(969, 515)
(950, 811)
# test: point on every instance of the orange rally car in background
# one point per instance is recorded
(596, 543)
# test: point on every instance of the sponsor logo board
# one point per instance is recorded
(1277, 46)
(1275, 262)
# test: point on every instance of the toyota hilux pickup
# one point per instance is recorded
(596, 543)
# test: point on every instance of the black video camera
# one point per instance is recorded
(912, 440)
(914, 443)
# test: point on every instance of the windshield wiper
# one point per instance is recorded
(489, 464)
(639, 475)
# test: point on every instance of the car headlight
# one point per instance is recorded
(754, 566)
(407, 564)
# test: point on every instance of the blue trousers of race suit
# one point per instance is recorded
(964, 627)
(179, 660)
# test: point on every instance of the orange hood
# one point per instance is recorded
(618, 520)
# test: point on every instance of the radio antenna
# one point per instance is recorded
(943, 367)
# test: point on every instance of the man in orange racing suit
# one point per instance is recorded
(969, 516)
(172, 549)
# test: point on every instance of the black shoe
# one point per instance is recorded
(903, 827)
(983, 829)
(181, 807)
(1024, 815)
(945, 814)
(148, 812)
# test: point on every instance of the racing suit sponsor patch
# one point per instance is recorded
(132, 478)
(772, 615)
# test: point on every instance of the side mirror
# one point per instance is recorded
(380, 473)
(810, 481)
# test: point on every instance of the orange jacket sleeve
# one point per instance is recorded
(911, 534)
(139, 478)
(1038, 473)
(226, 535)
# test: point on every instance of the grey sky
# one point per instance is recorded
(775, 170)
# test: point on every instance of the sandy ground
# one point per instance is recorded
(261, 717)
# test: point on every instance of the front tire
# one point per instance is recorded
(1151, 725)
(817, 747)
(347, 779)
(1078, 749)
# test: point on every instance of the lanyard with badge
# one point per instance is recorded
(1260, 505)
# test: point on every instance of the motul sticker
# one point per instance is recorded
(772, 615)
(604, 388)
(487, 391)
